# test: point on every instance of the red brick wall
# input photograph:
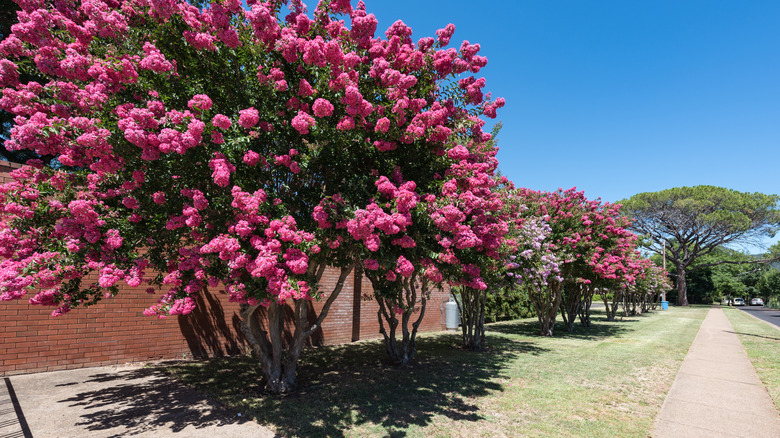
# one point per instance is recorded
(115, 330)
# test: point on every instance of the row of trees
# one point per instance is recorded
(245, 148)
(570, 250)
(251, 147)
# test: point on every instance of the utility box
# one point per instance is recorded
(451, 315)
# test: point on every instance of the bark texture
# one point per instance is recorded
(279, 364)
(472, 318)
(546, 301)
(403, 304)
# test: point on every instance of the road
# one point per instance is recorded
(769, 315)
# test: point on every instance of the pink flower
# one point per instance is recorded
(346, 124)
(322, 108)
(217, 138)
(154, 60)
(131, 202)
(158, 198)
(458, 153)
(302, 122)
(248, 118)
(385, 146)
(251, 158)
(382, 125)
(445, 34)
(113, 239)
(9, 76)
(305, 89)
(371, 264)
(222, 169)
(200, 102)
(221, 121)
(404, 267)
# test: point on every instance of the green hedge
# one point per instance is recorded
(508, 304)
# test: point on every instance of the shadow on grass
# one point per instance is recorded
(351, 386)
(143, 402)
(599, 328)
(754, 335)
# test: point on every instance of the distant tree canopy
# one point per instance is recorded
(691, 222)
(715, 282)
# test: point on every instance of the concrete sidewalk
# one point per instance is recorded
(114, 401)
(717, 392)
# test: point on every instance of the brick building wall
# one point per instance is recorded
(116, 331)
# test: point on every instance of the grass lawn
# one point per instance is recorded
(609, 380)
(762, 344)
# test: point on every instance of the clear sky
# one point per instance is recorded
(619, 97)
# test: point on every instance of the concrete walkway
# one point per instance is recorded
(717, 392)
(114, 401)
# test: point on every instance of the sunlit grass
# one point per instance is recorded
(609, 380)
(762, 344)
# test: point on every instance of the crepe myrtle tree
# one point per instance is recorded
(474, 230)
(648, 287)
(562, 212)
(596, 238)
(609, 253)
(535, 266)
(221, 147)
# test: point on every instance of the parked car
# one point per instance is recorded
(739, 302)
(756, 302)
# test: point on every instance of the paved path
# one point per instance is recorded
(717, 392)
(114, 401)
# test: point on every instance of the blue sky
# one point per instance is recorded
(622, 97)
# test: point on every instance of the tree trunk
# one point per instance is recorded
(472, 311)
(656, 299)
(611, 308)
(587, 301)
(571, 303)
(267, 346)
(546, 300)
(401, 354)
(279, 366)
(682, 289)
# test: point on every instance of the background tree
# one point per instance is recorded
(714, 282)
(694, 221)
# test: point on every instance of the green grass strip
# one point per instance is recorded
(762, 344)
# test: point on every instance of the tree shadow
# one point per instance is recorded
(143, 402)
(344, 387)
(754, 335)
(206, 329)
(209, 334)
(600, 328)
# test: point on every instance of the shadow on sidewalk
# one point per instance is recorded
(354, 386)
(142, 401)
